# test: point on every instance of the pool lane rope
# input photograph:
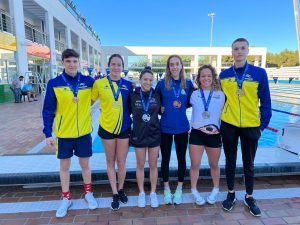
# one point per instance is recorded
(277, 110)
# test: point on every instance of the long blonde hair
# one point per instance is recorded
(168, 74)
(216, 86)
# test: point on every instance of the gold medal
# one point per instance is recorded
(177, 104)
(239, 92)
(75, 99)
(205, 115)
(116, 104)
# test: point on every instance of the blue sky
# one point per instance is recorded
(265, 23)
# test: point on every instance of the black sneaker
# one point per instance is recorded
(229, 203)
(122, 196)
(115, 204)
(251, 204)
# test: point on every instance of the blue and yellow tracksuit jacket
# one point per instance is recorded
(72, 119)
(254, 108)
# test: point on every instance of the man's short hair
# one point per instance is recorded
(67, 53)
(240, 40)
(21, 76)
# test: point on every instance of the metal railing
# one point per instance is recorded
(69, 5)
(35, 35)
(60, 46)
(6, 23)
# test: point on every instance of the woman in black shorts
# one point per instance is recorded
(145, 135)
(207, 102)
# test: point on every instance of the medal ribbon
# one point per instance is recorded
(116, 94)
(75, 91)
(176, 92)
(240, 81)
(146, 105)
(206, 103)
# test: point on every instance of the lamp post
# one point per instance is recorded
(211, 15)
(297, 22)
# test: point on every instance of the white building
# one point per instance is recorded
(33, 34)
(136, 57)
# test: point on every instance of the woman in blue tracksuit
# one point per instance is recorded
(175, 91)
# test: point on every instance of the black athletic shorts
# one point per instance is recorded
(197, 137)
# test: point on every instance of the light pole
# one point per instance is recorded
(211, 15)
(296, 13)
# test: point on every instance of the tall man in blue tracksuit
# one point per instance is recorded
(68, 101)
(246, 113)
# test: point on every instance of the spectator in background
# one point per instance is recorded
(16, 88)
(28, 89)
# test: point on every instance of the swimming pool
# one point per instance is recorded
(280, 95)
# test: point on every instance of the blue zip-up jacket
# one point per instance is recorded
(174, 120)
(244, 111)
(72, 119)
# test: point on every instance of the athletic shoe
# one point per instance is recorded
(251, 204)
(63, 208)
(229, 203)
(153, 200)
(168, 197)
(142, 200)
(92, 202)
(212, 198)
(115, 204)
(199, 200)
(177, 197)
(122, 196)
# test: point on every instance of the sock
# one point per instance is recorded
(194, 191)
(215, 189)
(66, 195)
(179, 188)
(167, 188)
(87, 188)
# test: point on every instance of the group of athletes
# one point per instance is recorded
(236, 105)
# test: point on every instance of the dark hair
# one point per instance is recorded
(21, 76)
(215, 81)
(240, 40)
(147, 69)
(117, 56)
(67, 53)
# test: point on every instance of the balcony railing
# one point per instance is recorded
(60, 46)
(35, 35)
(69, 5)
(6, 23)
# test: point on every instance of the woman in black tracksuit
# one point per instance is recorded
(145, 105)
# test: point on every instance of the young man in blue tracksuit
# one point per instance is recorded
(68, 104)
(246, 113)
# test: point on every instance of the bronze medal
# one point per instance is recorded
(75, 99)
(176, 104)
(239, 92)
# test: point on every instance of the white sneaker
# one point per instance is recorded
(63, 208)
(199, 200)
(153, 200)
(91, 201)
(212, 198)
(142, 200)
(177, 197)
(168, 197)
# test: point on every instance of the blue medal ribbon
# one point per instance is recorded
(206, 103)
(176, 92)
(147, 103)
(240, 81)
(75, 91)
(116, 94)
